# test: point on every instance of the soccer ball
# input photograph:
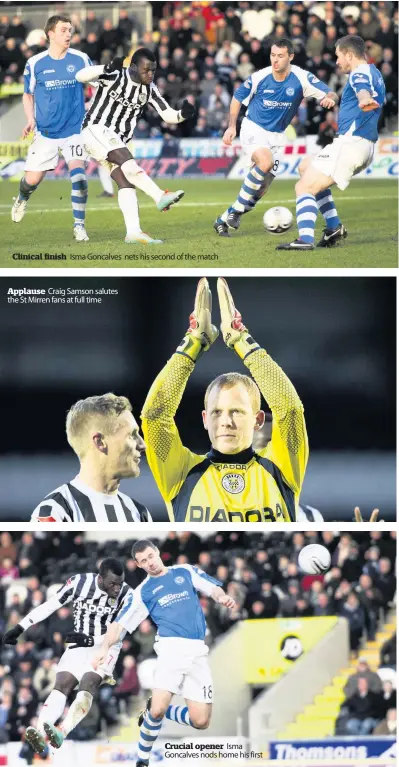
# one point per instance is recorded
(314, 559)
(277, 220)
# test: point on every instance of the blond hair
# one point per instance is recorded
(228, 380)
(99, 412)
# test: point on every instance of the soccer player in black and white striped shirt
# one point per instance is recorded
(97, 600)
(105, 436)
(109, 125)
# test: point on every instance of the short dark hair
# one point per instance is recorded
(52, 22)
(141, 546)
(111, 565)
(283, 42)
(352, 43)
(142, 53)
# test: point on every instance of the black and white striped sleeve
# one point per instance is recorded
(40, 613)
(165, 111)
(54, 508)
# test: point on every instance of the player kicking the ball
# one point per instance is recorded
(232, 482)
(169, 596)
(272, 95)
(350, 152)
(54, 107)
(97, 599)
(109, 125)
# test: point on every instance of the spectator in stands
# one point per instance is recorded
(5, 711)
(389, 725)
(323, 606)
(352, 610)
(144, 637)
(23, 710)
(363, 709)
(44, 678)
(385, 580)
(92, 24)
(363, 671)
(16, 29)
(109, 39)
(125, 28)
(372, 600)
(388, 697)
(388, 652)
(327, 130)
(129, 684)
(8, 571)
(368, 26)
(92, 46)
(7, 547)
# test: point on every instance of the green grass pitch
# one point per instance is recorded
(368, 208)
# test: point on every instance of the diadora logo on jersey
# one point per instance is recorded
(179, 580)
(157, 589)
(203, 514)
(233, 483)
(89, 607)
(70, 68)
(49, 71)
(290, 91)
(121, 100)
(171, 598)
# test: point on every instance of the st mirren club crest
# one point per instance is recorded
(111, 602)
(142, 98)
(233, 483)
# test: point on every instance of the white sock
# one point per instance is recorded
(79, 709)
(136, 176)
(127, 201)
(52, 710)
(105, 179)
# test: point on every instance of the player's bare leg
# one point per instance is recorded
(334, 231)
(28, 184)
(127, 201)
(81, 706)
(256, 184)
(139, 179)
(52, 710)
(78, 199)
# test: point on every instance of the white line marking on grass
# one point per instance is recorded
(180, 205)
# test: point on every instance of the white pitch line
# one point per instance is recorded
(181, 205)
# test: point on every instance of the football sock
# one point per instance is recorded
(52, 709)
(179, 714)
(149, 732)
(25, 189)
(139, 179)
(326, 206)
(127, 201)
(306, 215)
(255, 199)
(78, 195)
(106, 180)
(78, 710)
(251, 187)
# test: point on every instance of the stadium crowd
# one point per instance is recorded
(260, 571)
(205, 50)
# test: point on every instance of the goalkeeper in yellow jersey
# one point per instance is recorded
(232, 482)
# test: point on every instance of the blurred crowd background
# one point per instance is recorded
(206, 49)
(260, 571)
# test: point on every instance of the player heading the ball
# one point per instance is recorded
(350, 152)
(232, 482)
(169, 596)
(273, 96)
(53, 102)
(104, 434)
(122, 95)
(96, 598)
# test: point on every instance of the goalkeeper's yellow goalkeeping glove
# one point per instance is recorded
(201, 333)
(235, 334)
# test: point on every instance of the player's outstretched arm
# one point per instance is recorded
(168, 459)
(112, 636)
(90, 74)
(165, 111)
(289, 437)
(221, 598)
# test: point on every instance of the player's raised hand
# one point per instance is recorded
(229, 135)
(235, 334)
(200, 329)
(188, 110)
(29, 127)
(11, 636)
(227, 601)
(373, 516)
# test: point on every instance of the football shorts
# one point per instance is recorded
(78, 661)
(99, 141)
(344, 158)
(182, 668)
(44, 152)
(254, 137)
